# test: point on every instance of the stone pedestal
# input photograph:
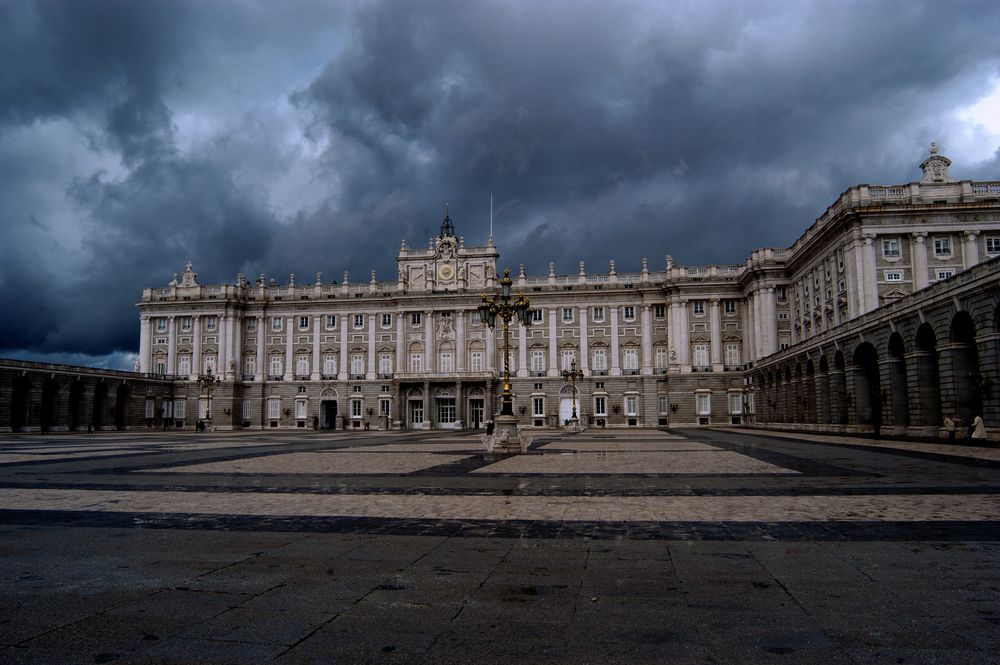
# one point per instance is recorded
(573, 426)
(506, 438)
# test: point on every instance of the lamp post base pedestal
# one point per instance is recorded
(573, 425)
(506, 438)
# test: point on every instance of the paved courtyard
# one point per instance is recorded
(696, 546)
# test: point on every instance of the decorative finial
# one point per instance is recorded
(645, 264)
(373, 276)
(935, 167)
(612, 266)
(521, 273)
(291, 279)
(934, 148)
(552, 269)
(346, 280)
(319, 279)
(447, 228)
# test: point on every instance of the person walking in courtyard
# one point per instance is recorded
(949, 424)
(978, 428)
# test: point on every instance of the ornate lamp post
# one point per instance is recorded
(505, 308)
(573, 375)
(208, 381)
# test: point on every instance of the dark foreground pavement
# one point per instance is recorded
(180, 586)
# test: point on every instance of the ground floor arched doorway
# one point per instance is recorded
(328, 414)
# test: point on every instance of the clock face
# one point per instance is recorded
(446, 272)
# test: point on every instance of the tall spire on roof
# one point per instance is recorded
(447, 228)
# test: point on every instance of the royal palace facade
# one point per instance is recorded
(664, 346)
(659, 346)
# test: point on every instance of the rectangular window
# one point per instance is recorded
(415, 319)
(782, 316)
(537, 360)
(568, 356)
(356, 407)
(735, 404)
(942, 246)
(631, 359)
(249, 366)
(659, 311)
(945, 274)
(600, 406)
(663, 402)
(893, 276)
(276, 323)
(732, 355)
(150, 407)
(660, 357)
(160, 365)
(704, 403)
(476, 358)
(387, 320)
(630, 406)
(567, 315)
(211, 322)
(416, 362)
(538, 406)
(161, 325)
(357, 364)
(186, 320)
(600, 360)
(536, 316)
(331, 321)
(302, 365)
(383, 407)
(446, 410)
(184, 365)
(247, 411)
(993, 244)
(359, 320)
(210, 365)
(841, 286)
(385, 363)
(303, 323)
(890, 248)
(180, 409)
(701, 356)
(276, 367)
(782, 293)
(699, 308)
(629, 313)
(274, 409)
(447, 362)
(598, 315)
(329, 365)
(730, 306)
(300, 409)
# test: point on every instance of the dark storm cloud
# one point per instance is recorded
(301, 138)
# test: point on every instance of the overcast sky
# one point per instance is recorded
(308, 137)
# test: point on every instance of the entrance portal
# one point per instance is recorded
(476, 409)
(415, 413)
(328, 414)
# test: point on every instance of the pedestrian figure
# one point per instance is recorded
(90, 429)
(977, 429)
(489, 428)
(949, 425)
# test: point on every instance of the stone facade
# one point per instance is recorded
(673, 346)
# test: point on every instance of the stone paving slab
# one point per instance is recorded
(711, 461)
(322, 463)
(657, 444)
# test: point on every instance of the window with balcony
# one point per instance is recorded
(732, 355)
(476, 361)
(385, 364)
(567, 358)
(630, 359)
(537, 361)
(416, 362)
(184, 365)
(302, 365)
(209, 365)
(276, 368)
(357, 364)
(249, 367)
(329, 365)
(660, 357)
(701, 356)
(600, 360)
(447, 362)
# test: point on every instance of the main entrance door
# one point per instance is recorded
(329, 414)
(476, 408)
(565, 410)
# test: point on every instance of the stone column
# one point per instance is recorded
(684, 336)
(647, 341)
(196, 346)
(716, 335)
(522, 348)
(315, 376)
(772, 321)
(221, 366)
(402, 362)
(616, 362)
(171, 345)
(342, 375)
(237, 348)
(970, 257)
(918, 253)
(460, 350)
(145, 333)
(459, 402)
(750, 328)
(553, 343)
(491, 351)
(870, 279)
(429, 362)
(370, 374)
(428, 423)
(262, 367)
(289, 348)
(584, 363)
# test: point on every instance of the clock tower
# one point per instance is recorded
(447, 264)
